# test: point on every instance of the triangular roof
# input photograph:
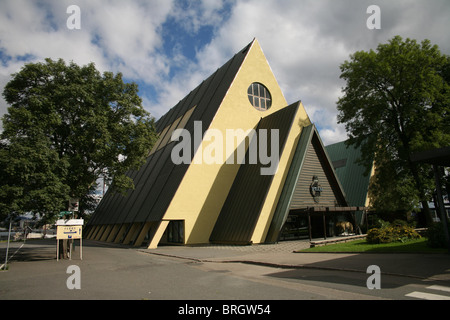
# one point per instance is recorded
(308, 144)
(217, 202)
(158, 179)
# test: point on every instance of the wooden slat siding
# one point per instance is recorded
(315, 165)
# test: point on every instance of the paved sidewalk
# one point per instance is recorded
(281, 255)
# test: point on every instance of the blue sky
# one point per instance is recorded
(169, 46)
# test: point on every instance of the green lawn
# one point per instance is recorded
(414, 246)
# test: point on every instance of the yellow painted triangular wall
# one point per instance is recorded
(204, 188)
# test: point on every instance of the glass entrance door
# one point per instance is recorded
(295, 228)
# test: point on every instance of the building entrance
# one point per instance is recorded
(304, 224)
(295, 228)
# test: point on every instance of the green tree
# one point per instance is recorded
(392, 191)
(81, 123)
(30, 174)
(396, 102)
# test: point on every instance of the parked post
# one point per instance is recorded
(442, 213)
(7, 248)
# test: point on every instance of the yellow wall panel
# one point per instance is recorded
(205, 187)
(301, 120)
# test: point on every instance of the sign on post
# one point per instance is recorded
(73, 205)
(69, 230)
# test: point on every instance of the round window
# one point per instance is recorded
(259, 96)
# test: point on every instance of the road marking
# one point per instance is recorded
(427, 296)
(10, 258)
(440, 288)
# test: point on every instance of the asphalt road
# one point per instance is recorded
(110, 273)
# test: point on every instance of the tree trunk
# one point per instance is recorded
(415, 173)
(427, 213)
(422, 196)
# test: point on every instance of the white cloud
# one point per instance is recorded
(192, 15)
(305, 41)
(305, 62)
(127, 34)
(113, 34)
(118, 36)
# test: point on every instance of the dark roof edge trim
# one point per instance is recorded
(282, 209)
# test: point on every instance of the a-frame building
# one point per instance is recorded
(233, 162)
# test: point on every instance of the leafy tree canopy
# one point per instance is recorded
(67, 126)
(396, 102)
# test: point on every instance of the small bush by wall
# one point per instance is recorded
(391, 233)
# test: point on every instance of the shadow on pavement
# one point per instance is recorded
(45, 249)
(396, 269)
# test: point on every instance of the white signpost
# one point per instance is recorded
(69, 230)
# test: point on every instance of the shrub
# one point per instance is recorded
(399, 222)
(436, 236)
(380, 223)
(389, 233)
(378, 235)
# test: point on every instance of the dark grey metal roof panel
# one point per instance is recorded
(242, 208)
(152, 189)
(118, 206)
(162, 201)
(282, 210)
(209, 98)
(351, 175)
(106, 209)
(207, 101)
(180, 109)
(123, 203)
(157, 181)
(127, 211)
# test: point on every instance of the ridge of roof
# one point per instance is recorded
(162, 122)
(157, 180)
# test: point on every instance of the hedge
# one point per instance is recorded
(389, 233)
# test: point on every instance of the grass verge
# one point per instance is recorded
(413, 246)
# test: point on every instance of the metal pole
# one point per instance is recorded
(367, 221)
(309, 226)
(442, 213)
(7, 248)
